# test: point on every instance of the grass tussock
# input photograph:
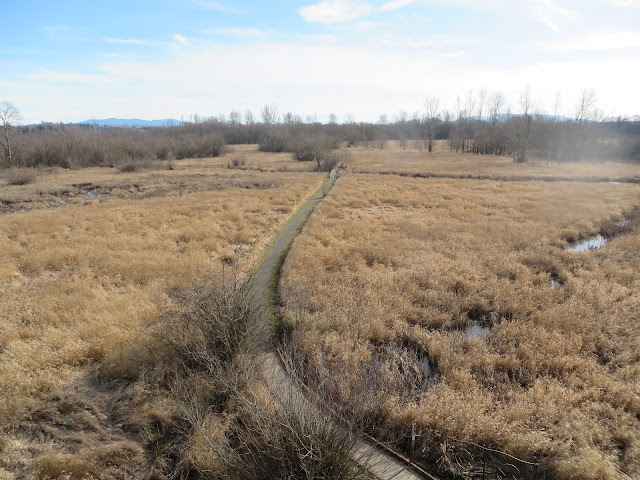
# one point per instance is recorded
(19, 176)
(389, 274)
(81, 283)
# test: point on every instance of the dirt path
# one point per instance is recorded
(381, 463)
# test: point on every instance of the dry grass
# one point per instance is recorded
(57, 187)
(446, 163)
(262, 161)
(82, 278)
(391, 270)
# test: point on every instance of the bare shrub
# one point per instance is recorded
(213, 330)
(275, 139)
(195, 145)
(328, 161)
(20, 177)
(200, 354)
(132, 165)
(285, 434)
(237, 161)
(201, 402)
(163, 152)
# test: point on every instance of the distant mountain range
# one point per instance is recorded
(132, 122)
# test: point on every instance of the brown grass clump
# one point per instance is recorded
(19, 176)
(81, 283)
(391, 271)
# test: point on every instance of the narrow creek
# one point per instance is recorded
(596, 241)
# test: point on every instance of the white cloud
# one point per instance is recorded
(549, 13)
(456, 54)
(627, 3)
(335, 11)
(546, 20)
(193, 82)
(69, 77)
(361, 27)
(129, 41)
(181, 39)
(395, 5)
(215, 6)
(599, 41)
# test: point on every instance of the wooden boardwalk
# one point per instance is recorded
(377, 460)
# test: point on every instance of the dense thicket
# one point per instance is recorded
(519, 136)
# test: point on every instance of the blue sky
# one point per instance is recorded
(75, 60)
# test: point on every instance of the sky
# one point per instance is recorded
(70, 61)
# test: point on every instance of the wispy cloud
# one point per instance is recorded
(130, 41)
(340, 11)
(58, 32)
(627, 3)
(56, 28)
(395, 5)
(362, 26)
(241, 32)
(336, 11)
(549, 13)
(597, 42)
(215, 6)
(545, 19)
(181, 39)
(456, 54)
(69, 77)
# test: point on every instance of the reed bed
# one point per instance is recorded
(391, 272)
(83, 279)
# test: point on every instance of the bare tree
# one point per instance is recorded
(269, 114)
(333, 119)
(522, 126)
(482, 97)
(557, 104)
(9, 118)
(470, 105)
(431, 105)
(497, 104)
(235, 117)
(287, 118)
(585, 103)
(401, 117)
(526, 102)
(248, 117)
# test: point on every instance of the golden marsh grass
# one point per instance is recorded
(82, 276)
(391, 270)
(444, 162)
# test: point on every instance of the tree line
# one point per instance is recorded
(481, 124)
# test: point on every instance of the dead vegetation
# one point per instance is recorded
(391, 272)
(82, 282)
(444, 162)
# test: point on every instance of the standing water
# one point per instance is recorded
(475, 330)
(589, 244)
(430, 376)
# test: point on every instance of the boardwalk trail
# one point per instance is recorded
(381, 463)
